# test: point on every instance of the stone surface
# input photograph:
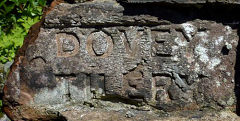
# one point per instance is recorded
(4, 69)
(4, 118)
(97, 55)
(2, 76)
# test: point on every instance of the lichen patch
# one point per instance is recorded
(189, 29)
(219, 40)
(213, 63)
(180, 41)
(202, 53)
(203, 36)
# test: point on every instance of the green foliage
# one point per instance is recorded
(16, 17)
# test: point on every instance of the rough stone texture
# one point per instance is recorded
(4, 69)
(2, 76)
(94, 51)
(4, 118)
